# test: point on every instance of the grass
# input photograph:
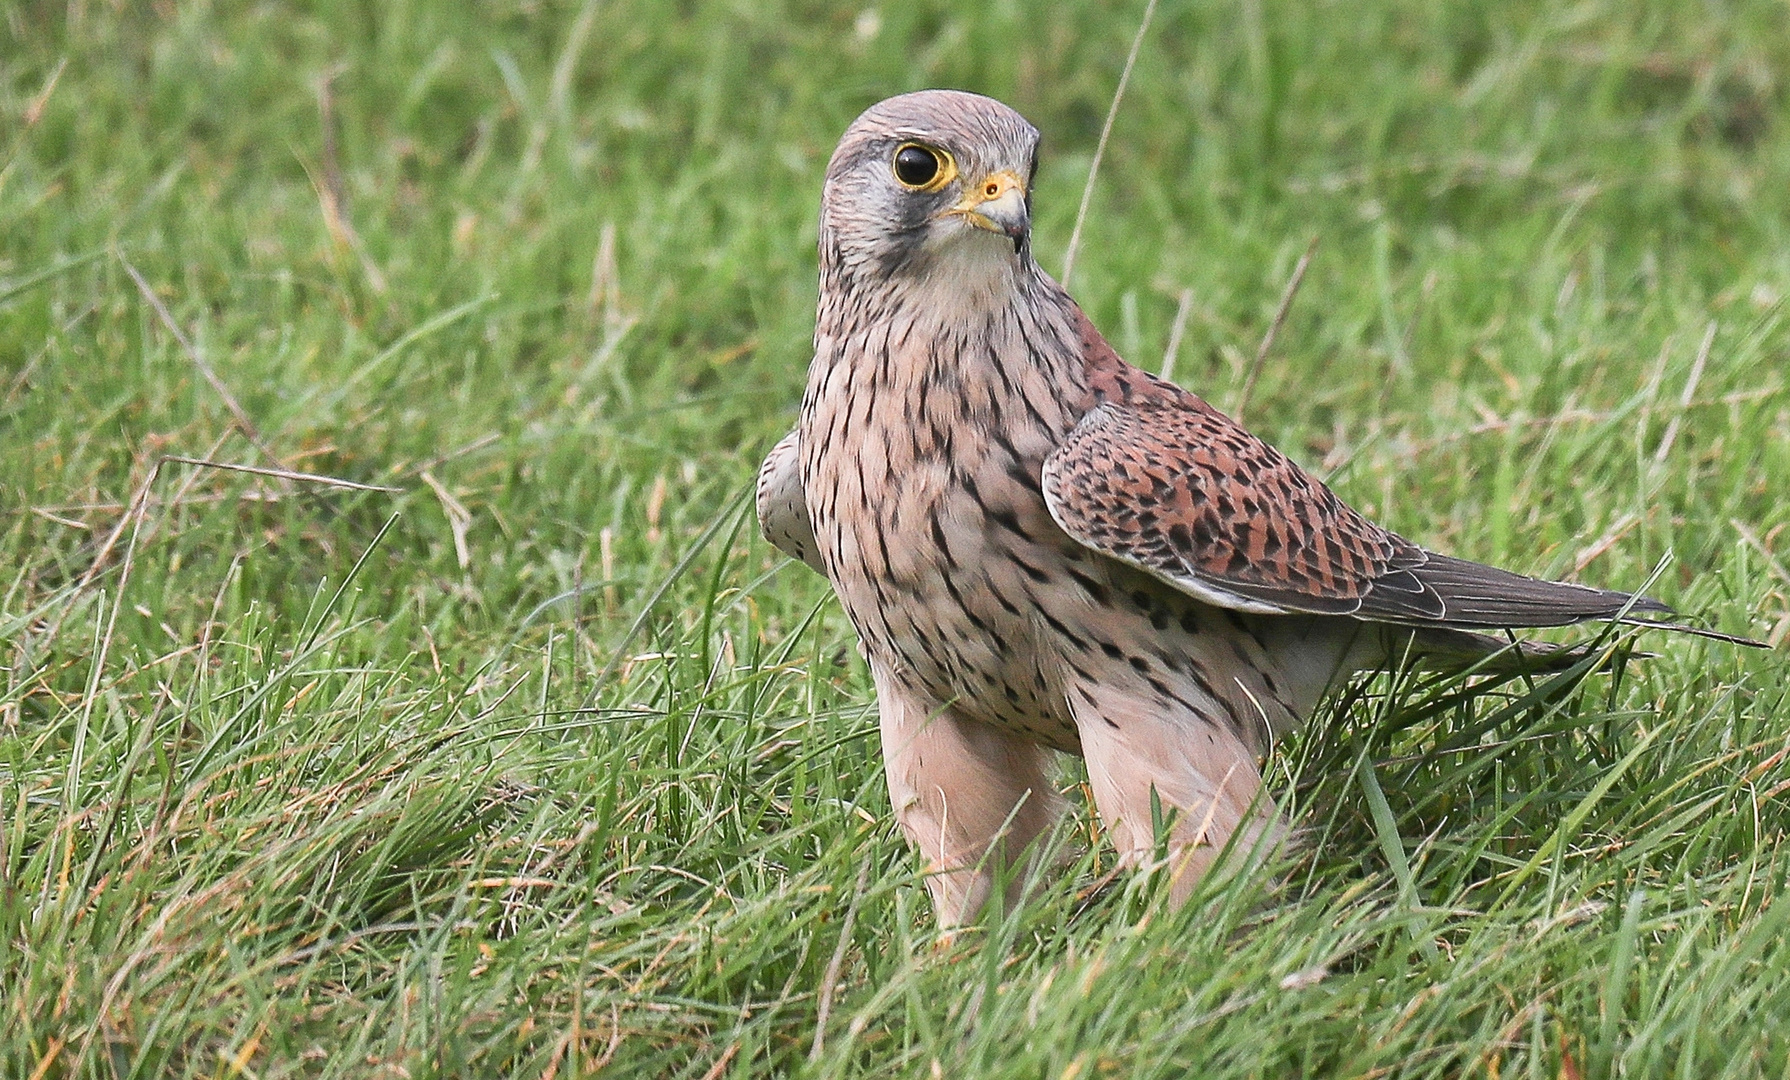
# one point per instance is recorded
(543, 762)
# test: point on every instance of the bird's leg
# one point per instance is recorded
(1148, 763)
(969, 795)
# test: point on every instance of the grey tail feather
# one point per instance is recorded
(1681, 628)
(1443, 648)
(1446, 647)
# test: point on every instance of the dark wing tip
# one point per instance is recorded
(1476, 595)
(1484, 597)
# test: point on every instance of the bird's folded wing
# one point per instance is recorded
(783, 503)
(1169, 484)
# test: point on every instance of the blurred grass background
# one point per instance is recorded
(543, 764)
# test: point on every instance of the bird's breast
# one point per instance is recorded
(923, 471)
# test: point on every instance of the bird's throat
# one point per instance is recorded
(982, 340)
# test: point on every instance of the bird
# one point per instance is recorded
(1045, 550)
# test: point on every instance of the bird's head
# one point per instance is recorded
(938, 176)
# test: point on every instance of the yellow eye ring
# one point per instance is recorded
(918, 167)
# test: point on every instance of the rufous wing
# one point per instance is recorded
(1165, 482)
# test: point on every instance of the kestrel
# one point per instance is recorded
(1045, 549)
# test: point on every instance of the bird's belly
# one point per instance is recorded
(938, 588)
(972, 636)
(999, 620)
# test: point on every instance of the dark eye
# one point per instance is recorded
(916, 166)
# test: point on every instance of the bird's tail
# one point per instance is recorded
(1446, 648)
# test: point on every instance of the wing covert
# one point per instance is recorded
(1169, 484)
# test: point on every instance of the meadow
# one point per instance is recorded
(499, 744)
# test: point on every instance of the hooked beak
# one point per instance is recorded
(998, 204)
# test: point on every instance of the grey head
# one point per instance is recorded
(927, 176)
